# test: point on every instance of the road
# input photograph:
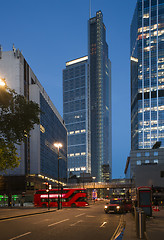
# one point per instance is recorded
(69, 223)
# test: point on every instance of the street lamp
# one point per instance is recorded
(2, 82)
(94, 187)
(58, 145)
(48, 191)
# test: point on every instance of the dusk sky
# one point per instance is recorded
(51, 32)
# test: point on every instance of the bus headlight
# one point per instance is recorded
(118, 207)
(105, 207)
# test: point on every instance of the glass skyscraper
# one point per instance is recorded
(76, 115)
(147, 74)
(87, 106)
(100, 99)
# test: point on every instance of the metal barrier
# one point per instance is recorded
(140, 220)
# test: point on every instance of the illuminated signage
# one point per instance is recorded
(52, 195)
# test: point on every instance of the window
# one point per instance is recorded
(138, 162)
(83, 168)
(155, 153)
(147, 154)
(77, 154)
(83, 153)
(77, 169)
(147, 161)
(71, 169)
(44, 199)
(83, 130)
(155, 160)
(54, 199)
(81, 199)
(138, 154)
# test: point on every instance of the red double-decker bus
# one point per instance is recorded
(70, 197)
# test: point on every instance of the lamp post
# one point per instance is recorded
(94, 187)
(83, 178)
(48, 192)
(58, 146)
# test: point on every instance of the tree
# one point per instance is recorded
(17, 118)
(8, 156)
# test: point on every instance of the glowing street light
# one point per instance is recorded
(58, 146)
(94, 187)
(2, 82)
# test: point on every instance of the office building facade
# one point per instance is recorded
(147, 81)
(39, 158)
(147, 74)
(87, 107)
(100, 99)
(76, 115)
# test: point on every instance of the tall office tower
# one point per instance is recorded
(147, 74)
(77, 116)
(147, 85)
(100, 99)
(39, 157)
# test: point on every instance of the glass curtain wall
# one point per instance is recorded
(147, 74)
(100, 89)
(76, 115)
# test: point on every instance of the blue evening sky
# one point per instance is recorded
(51, 32)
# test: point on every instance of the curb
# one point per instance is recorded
(24, 215)
(118, 234)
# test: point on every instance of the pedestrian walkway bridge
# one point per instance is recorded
(101, 185)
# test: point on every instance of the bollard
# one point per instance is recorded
(137, 221)
(142, 224)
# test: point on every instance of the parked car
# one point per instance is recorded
(127, 205)
(115, 205)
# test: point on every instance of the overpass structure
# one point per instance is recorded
(125, 183)
(117, 188)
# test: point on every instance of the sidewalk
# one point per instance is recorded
(130, 228)
(154, 226)
(12, 212)
(6, 213)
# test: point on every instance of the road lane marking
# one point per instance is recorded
(80, 215)
(121, 224)
(45, 220)
(102, 225)
(90, 216)
(75, 223)
(58, 222)
(22, 235)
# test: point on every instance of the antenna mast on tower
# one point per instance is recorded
(89, 8)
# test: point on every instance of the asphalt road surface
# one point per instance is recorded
(90, 223)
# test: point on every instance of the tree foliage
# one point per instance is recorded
(17, 118)
(8, 156)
